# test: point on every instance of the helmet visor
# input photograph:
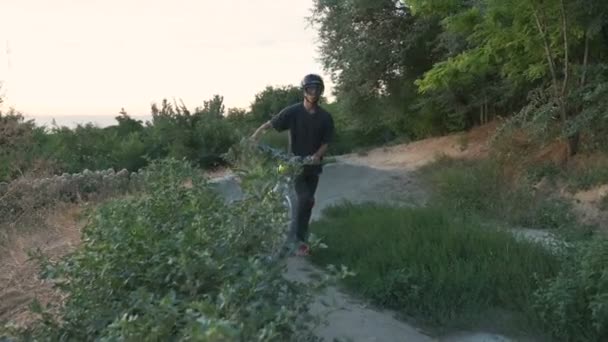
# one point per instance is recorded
(313, 90)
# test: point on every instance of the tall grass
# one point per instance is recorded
(433, 263)
(484, 188)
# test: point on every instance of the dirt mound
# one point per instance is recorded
(471, 144)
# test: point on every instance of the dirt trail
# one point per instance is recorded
(382, 175)
(349, 319)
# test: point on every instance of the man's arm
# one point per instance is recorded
(280, 122)
(264, 127)
(328, 134)
(320, 153)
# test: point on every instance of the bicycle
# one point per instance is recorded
(288, 166)
(251, 173)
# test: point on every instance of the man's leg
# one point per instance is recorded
(306, 186)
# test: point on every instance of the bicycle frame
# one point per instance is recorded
(285, 187)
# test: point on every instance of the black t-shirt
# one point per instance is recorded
(308, 131)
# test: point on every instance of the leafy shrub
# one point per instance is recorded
(588, 174)
(17, 142)
(200, 137)
(574, 305)
(215, 136)
(177, 263)
(130, 153)
(482, 187)
(25, 195)
(84, 147)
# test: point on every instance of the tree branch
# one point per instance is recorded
(566, 47)
(548, 53)
(585, 58)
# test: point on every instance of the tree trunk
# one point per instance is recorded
(564, 91)
(487, 112)
(585, 60)
(566, 49)
(573, 144)
(548, 51)
(574, 140)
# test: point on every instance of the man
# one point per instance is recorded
(311, 129)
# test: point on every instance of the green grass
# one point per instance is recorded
(482, 188)
(588, 172)
(434, 264)
(587, 178)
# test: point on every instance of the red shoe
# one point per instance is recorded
(303, 250)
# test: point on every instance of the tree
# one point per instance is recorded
(271, 100)
(214, 107)
(17, 137)
(127, 125)
(374, 51)
(529, 44)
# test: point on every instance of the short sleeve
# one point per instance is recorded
(282, 121)
(328, 130)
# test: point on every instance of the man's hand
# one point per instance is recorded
(316, 157)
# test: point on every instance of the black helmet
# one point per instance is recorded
(313, 79)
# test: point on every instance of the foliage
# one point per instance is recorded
(549, 47)
(420, 68)
(24, 195)
(374, 51)
(88, 146)
(174, 131)
(17, 145)
(484, 188)
(434, 263)
(573, 306)
(200, 137)
(587, 176)
(177, 263)
(272, 100)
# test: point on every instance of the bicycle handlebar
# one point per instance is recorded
(289, 158)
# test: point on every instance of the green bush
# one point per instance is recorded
(434, 263)
(200, 137)
(574, 305)
(130, 153)
(215, 136)
(482, 187)
(84, 147)
(586, 178)
(276, 139)
(27, 198)
(177, 263)
(17, 145)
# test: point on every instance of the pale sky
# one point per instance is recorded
(92, 57)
